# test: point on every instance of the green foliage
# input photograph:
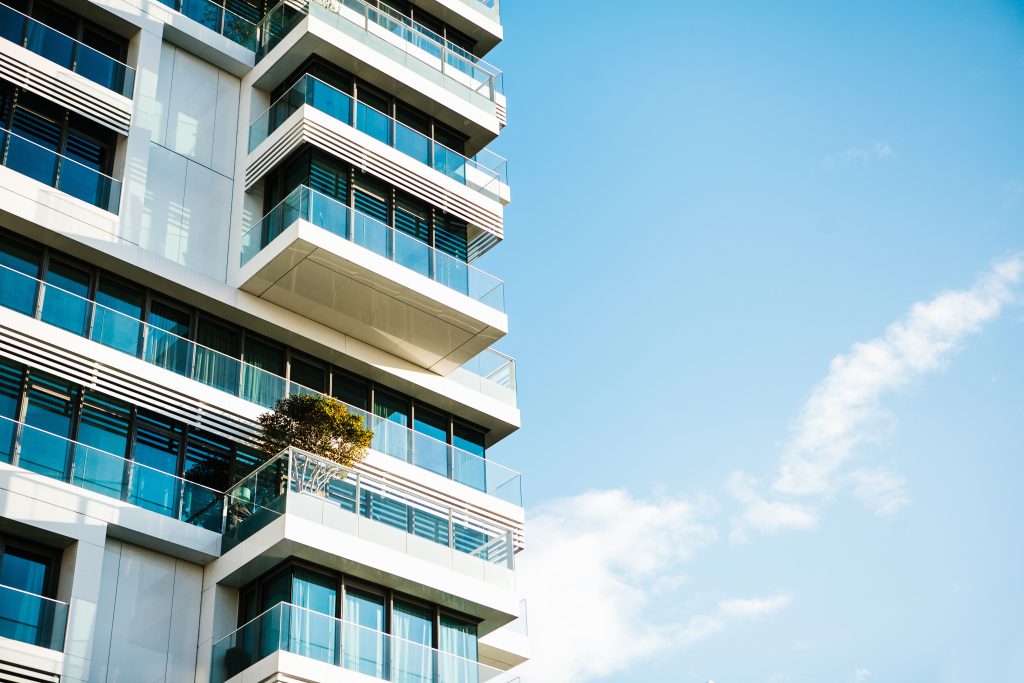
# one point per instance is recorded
(320, 425)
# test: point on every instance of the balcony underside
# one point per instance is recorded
(326, 278)
(418, 84)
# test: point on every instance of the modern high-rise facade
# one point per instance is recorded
(207, 206)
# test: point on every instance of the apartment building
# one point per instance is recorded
(206, 206)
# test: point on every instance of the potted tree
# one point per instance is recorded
(321, 426)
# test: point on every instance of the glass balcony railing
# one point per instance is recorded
(494, 366)
(66, 51)
(488, 7)
(81, 316)
(486, 172)
(58, 171)
(33, 619)
(342, 220)
(395, 35)
(75, 463)
(218, 19)
(344, 644)
(264, 495)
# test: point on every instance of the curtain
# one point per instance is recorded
(217, 363)
(364, 643)
(412, 655)
(458, 645)
(313, 628)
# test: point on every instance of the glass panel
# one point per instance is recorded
(51, 44)
(364, 649)
(207, 464)
(31, 160)
(167, 338)
(430, 448)
(374, 123)
(103, 426)
(412, 624)
(263, 373)
(329, 100)
(351, 390)
(66, 307)
(10, 395)
(32, 619)
(310, 634)
(117, 319)
(413, 143)
(308, 375)
(217, 363)
(157, 445)
(204, 12)
(50, 406)
(390, 433)
(17, 291)
(457, 642)
(468, 457)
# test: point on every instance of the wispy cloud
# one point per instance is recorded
(603, 566)
(844, 410)
(861, 156)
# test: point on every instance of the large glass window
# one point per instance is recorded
(390, 433)
(167, 337)
(45, 448)
(216, 361)
(22, 617)
(158, 442)
(413, 628)
(11, 374)
(457, 641)
(365, 646)
(18, 265)
(116, 322)
(103, 432)
(313, 625)
(263, 373)
(430, 445)
(66, 299)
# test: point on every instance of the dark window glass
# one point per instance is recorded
(157, 447)
(469, 439)
(44, 444)
(65, 300)
(167, 337)
(10, 394)
(351, 390)
(371, 116)
(207, 463)
(117, 321)
(22, 618)
(263, 372)
(103, 429)
(308, 375)
(329, 177)
(216, 362)
(18, 265)
(34, 152)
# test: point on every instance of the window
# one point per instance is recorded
(117, 320)
(215, 363)
(18, 265)
(167, 337)
(389, 433)
(105, 429)
(66, 299)
(158, 442)
(27, 571)
(49, 413)
(413, 628)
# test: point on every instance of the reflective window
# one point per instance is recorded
(167, 337)
(117, 320)
(66, 298)
(363, 633)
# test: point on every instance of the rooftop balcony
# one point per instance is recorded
(166, 350)
(65, 51)
(71, 177)
(322, 259)
(33, 619)
(301, 644)
(368, 507)
(486, 172)
(389, 49)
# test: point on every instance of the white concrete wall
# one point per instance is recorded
(147, 626)
(190, 113)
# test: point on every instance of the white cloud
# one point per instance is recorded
(761, 514)
(844, 409)
(754, 608)
(596, 566)
(882, 490)
(879, 151)
(862, 674)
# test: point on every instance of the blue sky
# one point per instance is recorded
(711, 202)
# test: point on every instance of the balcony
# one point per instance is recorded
(322, 646)
(328, 262)
(163, 349)
(92, 469)
(486, 172)
(423, 57)
(32, 619)
(58, 171)
(67, 52)
(218, 19)
(367, 507)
